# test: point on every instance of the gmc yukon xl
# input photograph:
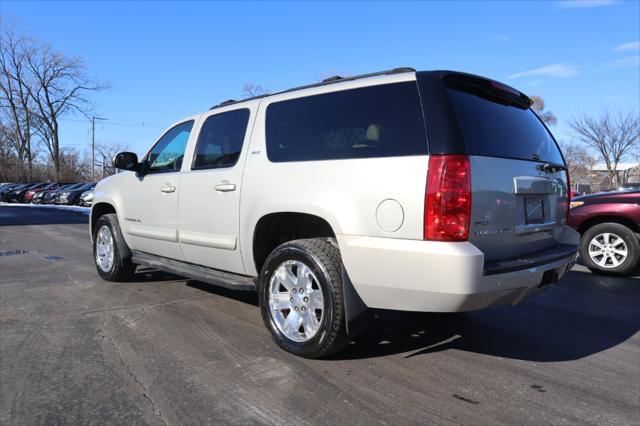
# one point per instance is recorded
(429, 191)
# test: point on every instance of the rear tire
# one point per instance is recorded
(610, 248)
(110, 252)
(301, 298)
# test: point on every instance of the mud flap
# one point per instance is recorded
(354, 306)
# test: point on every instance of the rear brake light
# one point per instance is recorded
(504, 88)
(447, 209)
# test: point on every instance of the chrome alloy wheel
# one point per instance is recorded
(608, 250)
(296, 303)
(104, 249)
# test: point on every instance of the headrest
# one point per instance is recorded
(373, 132)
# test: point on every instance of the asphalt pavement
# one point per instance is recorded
(164, 350)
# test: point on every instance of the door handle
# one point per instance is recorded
(168, 188)
(225, 187)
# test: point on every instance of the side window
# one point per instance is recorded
(376, 121)
(220, 140)
(168, 152)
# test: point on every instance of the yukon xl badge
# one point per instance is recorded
(487, 232)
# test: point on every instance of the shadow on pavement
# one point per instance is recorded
(248, 297)
(584, 315)
(22, 216)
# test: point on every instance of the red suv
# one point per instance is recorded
(609, 223)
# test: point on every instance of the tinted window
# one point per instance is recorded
(87, 186)
(168, 152)
(220, 140)
(498, 130)
(378, 121)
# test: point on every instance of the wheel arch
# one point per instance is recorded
(597, 220)
(275, 228)
(98, 210)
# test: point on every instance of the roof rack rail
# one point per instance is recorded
(326, 81)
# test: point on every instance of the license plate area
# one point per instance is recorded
(534, 210)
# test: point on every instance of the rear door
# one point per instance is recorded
(208, 211)
(519, 198)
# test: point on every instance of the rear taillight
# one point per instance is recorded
(447, 209)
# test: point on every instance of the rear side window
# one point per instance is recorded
(495, 129)
(220, 140)
(377, 121)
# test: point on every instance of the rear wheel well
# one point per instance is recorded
(278, 228)
(608, 219)
(99, 210)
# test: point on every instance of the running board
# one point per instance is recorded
(196, 272)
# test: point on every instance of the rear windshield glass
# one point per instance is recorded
(376, 121)
(498, 130)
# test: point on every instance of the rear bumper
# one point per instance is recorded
(413, 275)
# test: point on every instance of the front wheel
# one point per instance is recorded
(109, 250)
(301, 299)
(610, 248)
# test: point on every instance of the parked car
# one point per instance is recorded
(38, 197)
(28, 196)
(396, 190)
(17, 195)
(5, 185)
(72, 196)
(6, 191)
(50, 196)
(629, 187)
(86, 199)
(6, 188)
(609, 223)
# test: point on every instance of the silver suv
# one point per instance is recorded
(419, 191)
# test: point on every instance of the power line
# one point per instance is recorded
(113, 123)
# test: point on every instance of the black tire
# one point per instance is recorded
(621, 231)
(323, 258)
(122, 268)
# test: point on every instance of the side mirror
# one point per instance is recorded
(126, 161)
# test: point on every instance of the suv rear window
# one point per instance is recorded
(376, 121)
(495, 129)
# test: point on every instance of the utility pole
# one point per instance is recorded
(93, 145)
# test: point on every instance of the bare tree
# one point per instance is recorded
(8, 159)
(107, 152)
(73, 166)
(61, 86)
(14, 87)
(580, 162)
(538, 106)
(612, 135)
(251, 90)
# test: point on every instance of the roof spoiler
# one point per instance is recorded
(487, 88)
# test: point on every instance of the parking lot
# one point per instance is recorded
(164, 350)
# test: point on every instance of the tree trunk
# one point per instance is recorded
(55, 142)
(29, 160)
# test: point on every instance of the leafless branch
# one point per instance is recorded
(613, 135)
